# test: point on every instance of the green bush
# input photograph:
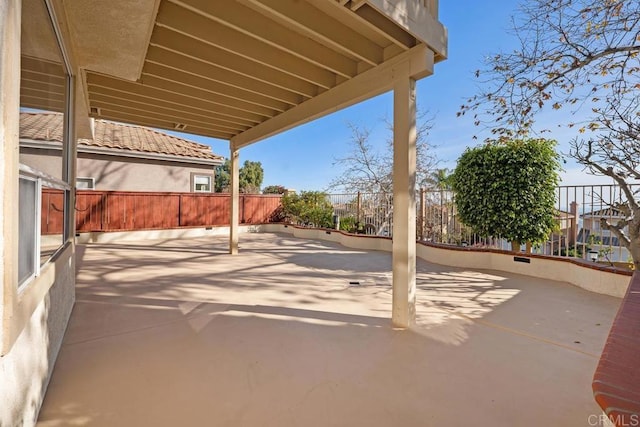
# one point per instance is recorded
(349, 224)
(507, 188)
(311, 208)
(274, 189)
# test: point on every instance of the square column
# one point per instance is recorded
(10, 29)
(404, 203)
(235, 201)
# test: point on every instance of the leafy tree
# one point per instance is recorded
(506, 188)
(370, 170)
(573, 53)
(309, 208)
(580, 55)
(617, 154)
(223, 177)
(250, 176)
(440, 179)
(274, 189)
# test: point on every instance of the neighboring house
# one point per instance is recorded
(593, 235)
(591, 226)
(119, 157)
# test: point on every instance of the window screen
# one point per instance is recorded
(202, 183)
(27, 245)
(85, 184)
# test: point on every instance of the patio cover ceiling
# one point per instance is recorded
(243, 70)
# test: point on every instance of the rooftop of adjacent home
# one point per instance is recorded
(296, 332)
(46, 128)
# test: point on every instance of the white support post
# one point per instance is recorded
(10, 14)
(404, 203)
(235, 201)
(70, 159)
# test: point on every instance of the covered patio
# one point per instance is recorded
(297, 332)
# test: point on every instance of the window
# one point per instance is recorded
(202, 183)
(83, 183)
(42, 229)
(44, 174)
(29, 229)
(41, 206)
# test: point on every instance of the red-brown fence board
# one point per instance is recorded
(153, 211)
(126, 210)
(116, 211)
(89, 208)
(52, 217)
(204, 209)
(259, 209)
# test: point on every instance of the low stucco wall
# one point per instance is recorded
(26, 369)
(591, 277)
(594, 278)
(174, 233)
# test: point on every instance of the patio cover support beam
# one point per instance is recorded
(235, 200)
(418, 20)
(10, 13)
(416, 62)
(404, 203)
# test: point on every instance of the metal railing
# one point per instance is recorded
(580, 210)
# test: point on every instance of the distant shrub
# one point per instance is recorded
(349, 224)
(311, 208)
(274, 189)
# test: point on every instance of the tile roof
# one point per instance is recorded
(117, 136)
(610, 211)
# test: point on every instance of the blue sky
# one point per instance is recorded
(303, 158)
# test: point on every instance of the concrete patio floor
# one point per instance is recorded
(178, 333)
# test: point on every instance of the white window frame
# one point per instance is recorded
(37, 225)
(25, 172)
(89, 179)
(195, 179)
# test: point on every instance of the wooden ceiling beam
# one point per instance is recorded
(96, 81)
(182, 77)
(247, 21)
(416, 20)
(37, 76)
(187, 46)
(387, 28)
(159, 114)
(35, 92)
(415, 63)
(98, 99)
(202, 93)
(27, 101)
(201, 28)
(139, 120)
(158, 55)
(145, 102)
(309, 21)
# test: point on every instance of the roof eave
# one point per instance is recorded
(30, 143)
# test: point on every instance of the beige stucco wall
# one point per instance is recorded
(119, 173)
(599, 281)
(26, 369)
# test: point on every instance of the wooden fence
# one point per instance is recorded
(127, 211)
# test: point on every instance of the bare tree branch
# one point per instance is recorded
(583, 55)
(367, 168)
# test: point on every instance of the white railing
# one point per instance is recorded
(579, 212)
